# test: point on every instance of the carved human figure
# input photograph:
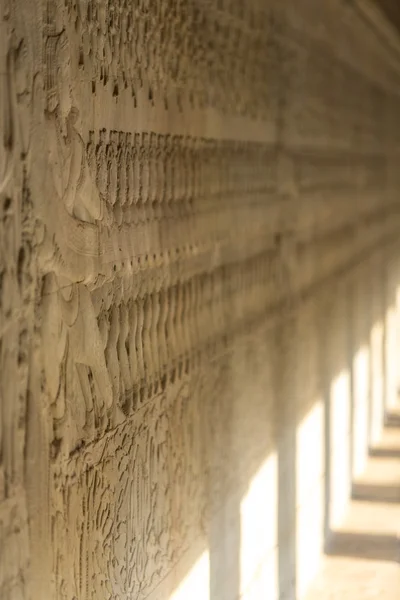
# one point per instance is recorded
(72, 177)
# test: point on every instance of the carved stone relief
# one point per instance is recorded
(180, 183)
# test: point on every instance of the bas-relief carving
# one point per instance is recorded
(113, 349)
(157, 252)
(136, 45)
(135, 500)
(18, 279)
(14, 547)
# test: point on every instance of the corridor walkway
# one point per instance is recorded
(363, 556)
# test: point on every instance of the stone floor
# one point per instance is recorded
(363, 558)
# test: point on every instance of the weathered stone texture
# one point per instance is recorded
(199, 230)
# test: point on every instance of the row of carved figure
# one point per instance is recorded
(154, 335)
(151, 168)
(167, 46)
(116, 346)
(163, 176)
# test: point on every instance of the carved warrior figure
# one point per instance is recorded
(72, 177)
(74, 204)
(68, 322)
(6, 105)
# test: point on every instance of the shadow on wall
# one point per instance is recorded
(331, 376)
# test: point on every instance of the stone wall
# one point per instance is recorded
(199, 264)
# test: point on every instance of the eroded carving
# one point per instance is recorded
(140, 492)
(166, 49)
(175, 179)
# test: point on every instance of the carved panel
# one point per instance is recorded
(166, 48)
(129, 505)
(176, 179)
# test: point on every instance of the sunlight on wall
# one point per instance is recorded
(196, 584)
(361, 401)
(258, 534)
(377, 400)
(339, 484)
(310, 466)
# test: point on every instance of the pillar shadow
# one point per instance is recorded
(366, 492)
(392, 420)
(385, 452)
(376, 547)
(224, 544)
(286, 456)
